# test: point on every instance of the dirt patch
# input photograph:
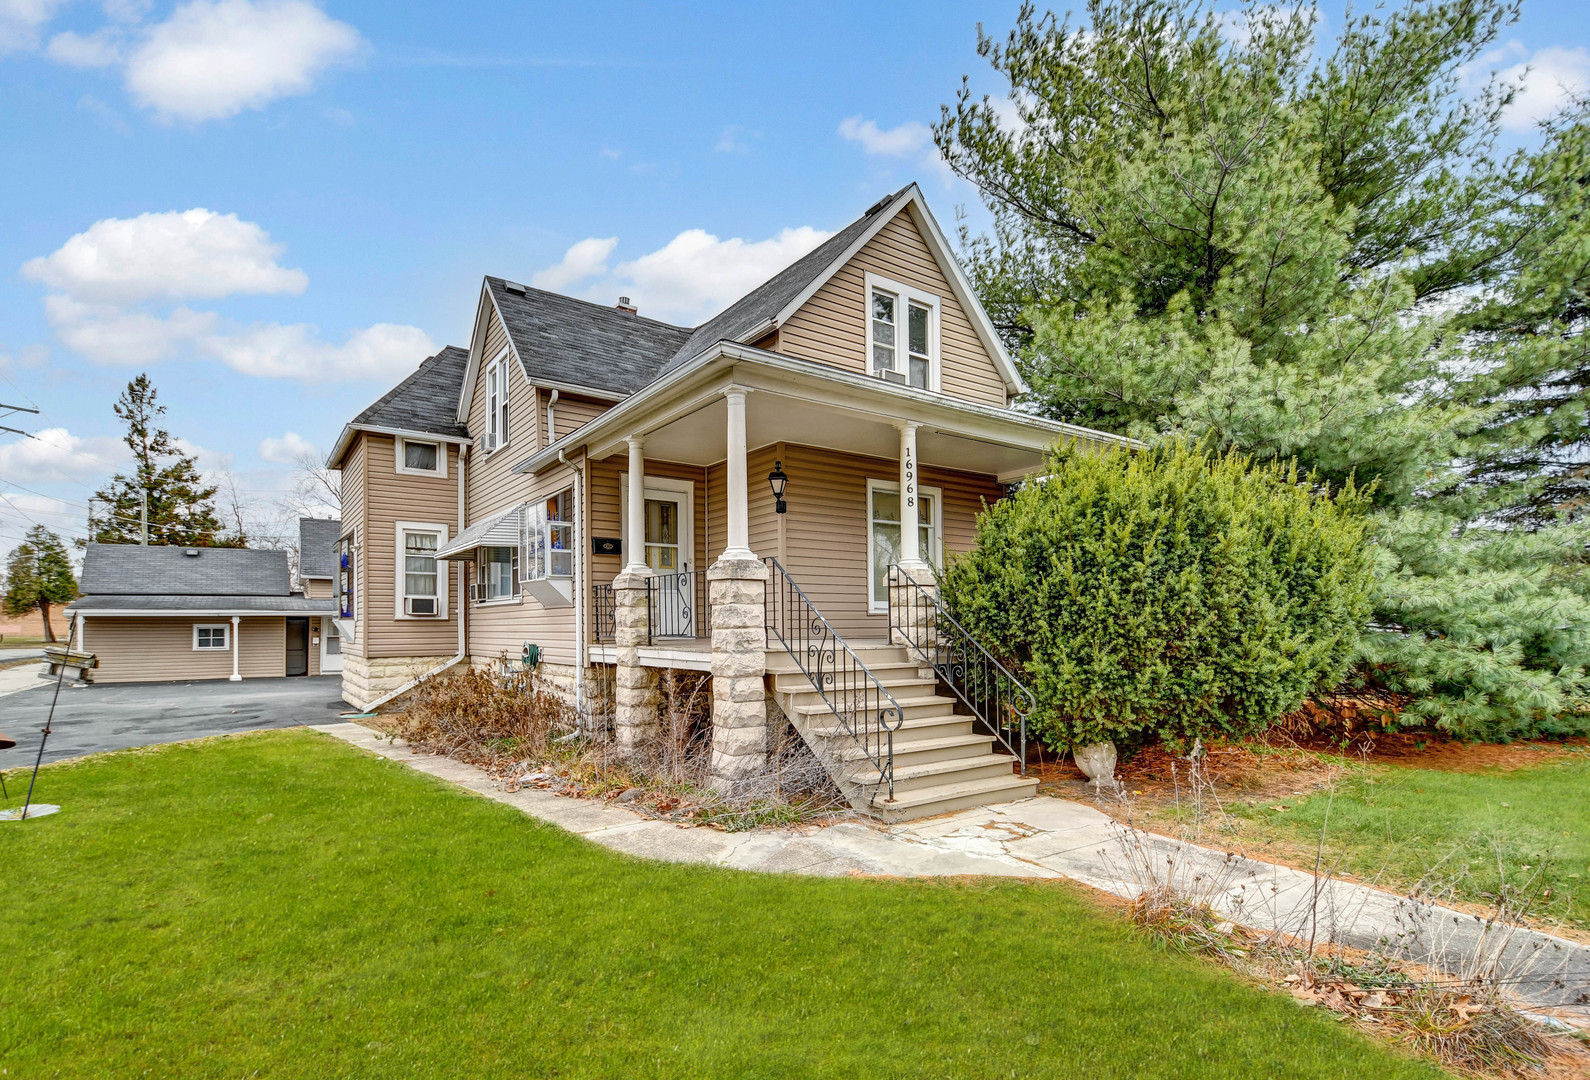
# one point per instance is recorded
(1159, 777)
(1426, 750)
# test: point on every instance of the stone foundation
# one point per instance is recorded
(635, 720)
(364, 681)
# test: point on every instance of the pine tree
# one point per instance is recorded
(38, 574)
(181, 511)
(1210, 233)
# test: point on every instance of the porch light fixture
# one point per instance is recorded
(777, 481)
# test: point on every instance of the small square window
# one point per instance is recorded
(419, 456)
(211, 638)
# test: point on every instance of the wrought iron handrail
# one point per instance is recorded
(685, 617)
(604, 610)
(863, 705)
(984, 685)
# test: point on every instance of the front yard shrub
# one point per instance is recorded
(1169, 593)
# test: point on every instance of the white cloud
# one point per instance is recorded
(107, 334)
(21, 21)
(99, 49)
(287, 449)
(696, 275)
(736, 140)
(215, 58)
(189, 253)
(904, 140)
(583, 260)
(1549, 79)
(55, 455)
(381, 352)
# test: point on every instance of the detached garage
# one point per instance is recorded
(162, 614)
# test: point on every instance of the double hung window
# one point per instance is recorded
(497, 402)
(902, 334)
(423, 590)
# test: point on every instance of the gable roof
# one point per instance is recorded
(755, 313)
(158, 570)
(563, 341)
(420, 403)
(317, 547)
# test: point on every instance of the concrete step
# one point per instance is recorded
(921, 751)
(874, 656)
(946, 798)
(923, 727)
(804, 693)
(913, 708)
(938, 774)
(796, 681)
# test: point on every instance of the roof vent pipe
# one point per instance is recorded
(625, 305)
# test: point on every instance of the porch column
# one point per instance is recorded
(737, 589)
(739, 499)
(910, 611)
(635, 542)
(82, 631)
(235, 676)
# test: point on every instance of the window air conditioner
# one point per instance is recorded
(419, 605)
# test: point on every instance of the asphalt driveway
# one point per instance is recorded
(90, 719)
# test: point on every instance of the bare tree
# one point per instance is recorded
(316, 490)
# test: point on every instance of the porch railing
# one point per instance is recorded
(676, 606)
(604, 609)
(865, 709)
(983, 684)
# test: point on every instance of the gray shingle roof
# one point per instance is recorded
(157, 570)
(563, 340)
(765, 301)
(425, 401)
(284, 604)
(317, 547)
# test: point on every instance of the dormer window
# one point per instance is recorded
(902, 333)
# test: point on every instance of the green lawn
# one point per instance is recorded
(1404, 821)
(282, 905)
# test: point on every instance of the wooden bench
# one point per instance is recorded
(78, 664)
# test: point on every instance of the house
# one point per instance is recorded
(317, 577)
(153, 613)
(763, 497)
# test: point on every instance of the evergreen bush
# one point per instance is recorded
(1168, 593)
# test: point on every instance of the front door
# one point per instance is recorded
(330, 648)
(298, 646)
(669, 559)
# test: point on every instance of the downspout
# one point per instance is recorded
(463, 606)
(579, 576)
(552, 431)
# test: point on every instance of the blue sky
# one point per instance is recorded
(277, 207)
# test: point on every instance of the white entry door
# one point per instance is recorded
(330, 648)
(668, 555)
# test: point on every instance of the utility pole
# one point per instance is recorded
(143, 515)
(7, 410)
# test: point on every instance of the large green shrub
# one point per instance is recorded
(1168, 592)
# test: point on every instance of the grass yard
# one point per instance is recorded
(282, 905)
(1403, 821)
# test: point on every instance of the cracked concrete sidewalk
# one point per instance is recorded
(1045, 837)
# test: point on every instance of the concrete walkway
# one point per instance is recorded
(1054, 838)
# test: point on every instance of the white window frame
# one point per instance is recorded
(531, 518)
(498, 400)
(905, 295)
(400, 585)
(935, 537)
(401, 457)
(481, 579)
(226, 636)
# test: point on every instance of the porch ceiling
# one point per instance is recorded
(699, 438)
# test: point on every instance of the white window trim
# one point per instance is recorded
(906, 294)
(226, 633)
(935, 539)
(401, 456)
(495, 383)
(497, 601)
(442, 572)
(664, 485)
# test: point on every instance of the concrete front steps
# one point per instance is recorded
(943, 761)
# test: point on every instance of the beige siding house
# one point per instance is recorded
(161, 614)
(765, 497)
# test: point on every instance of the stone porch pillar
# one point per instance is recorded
(635, 687)
(737, 588)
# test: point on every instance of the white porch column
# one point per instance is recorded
(635, 563)
(235, 676)
(910, 533)
(739, 498)
(82, 631)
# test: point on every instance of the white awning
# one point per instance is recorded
(501, 530)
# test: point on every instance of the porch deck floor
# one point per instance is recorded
(693, 654)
